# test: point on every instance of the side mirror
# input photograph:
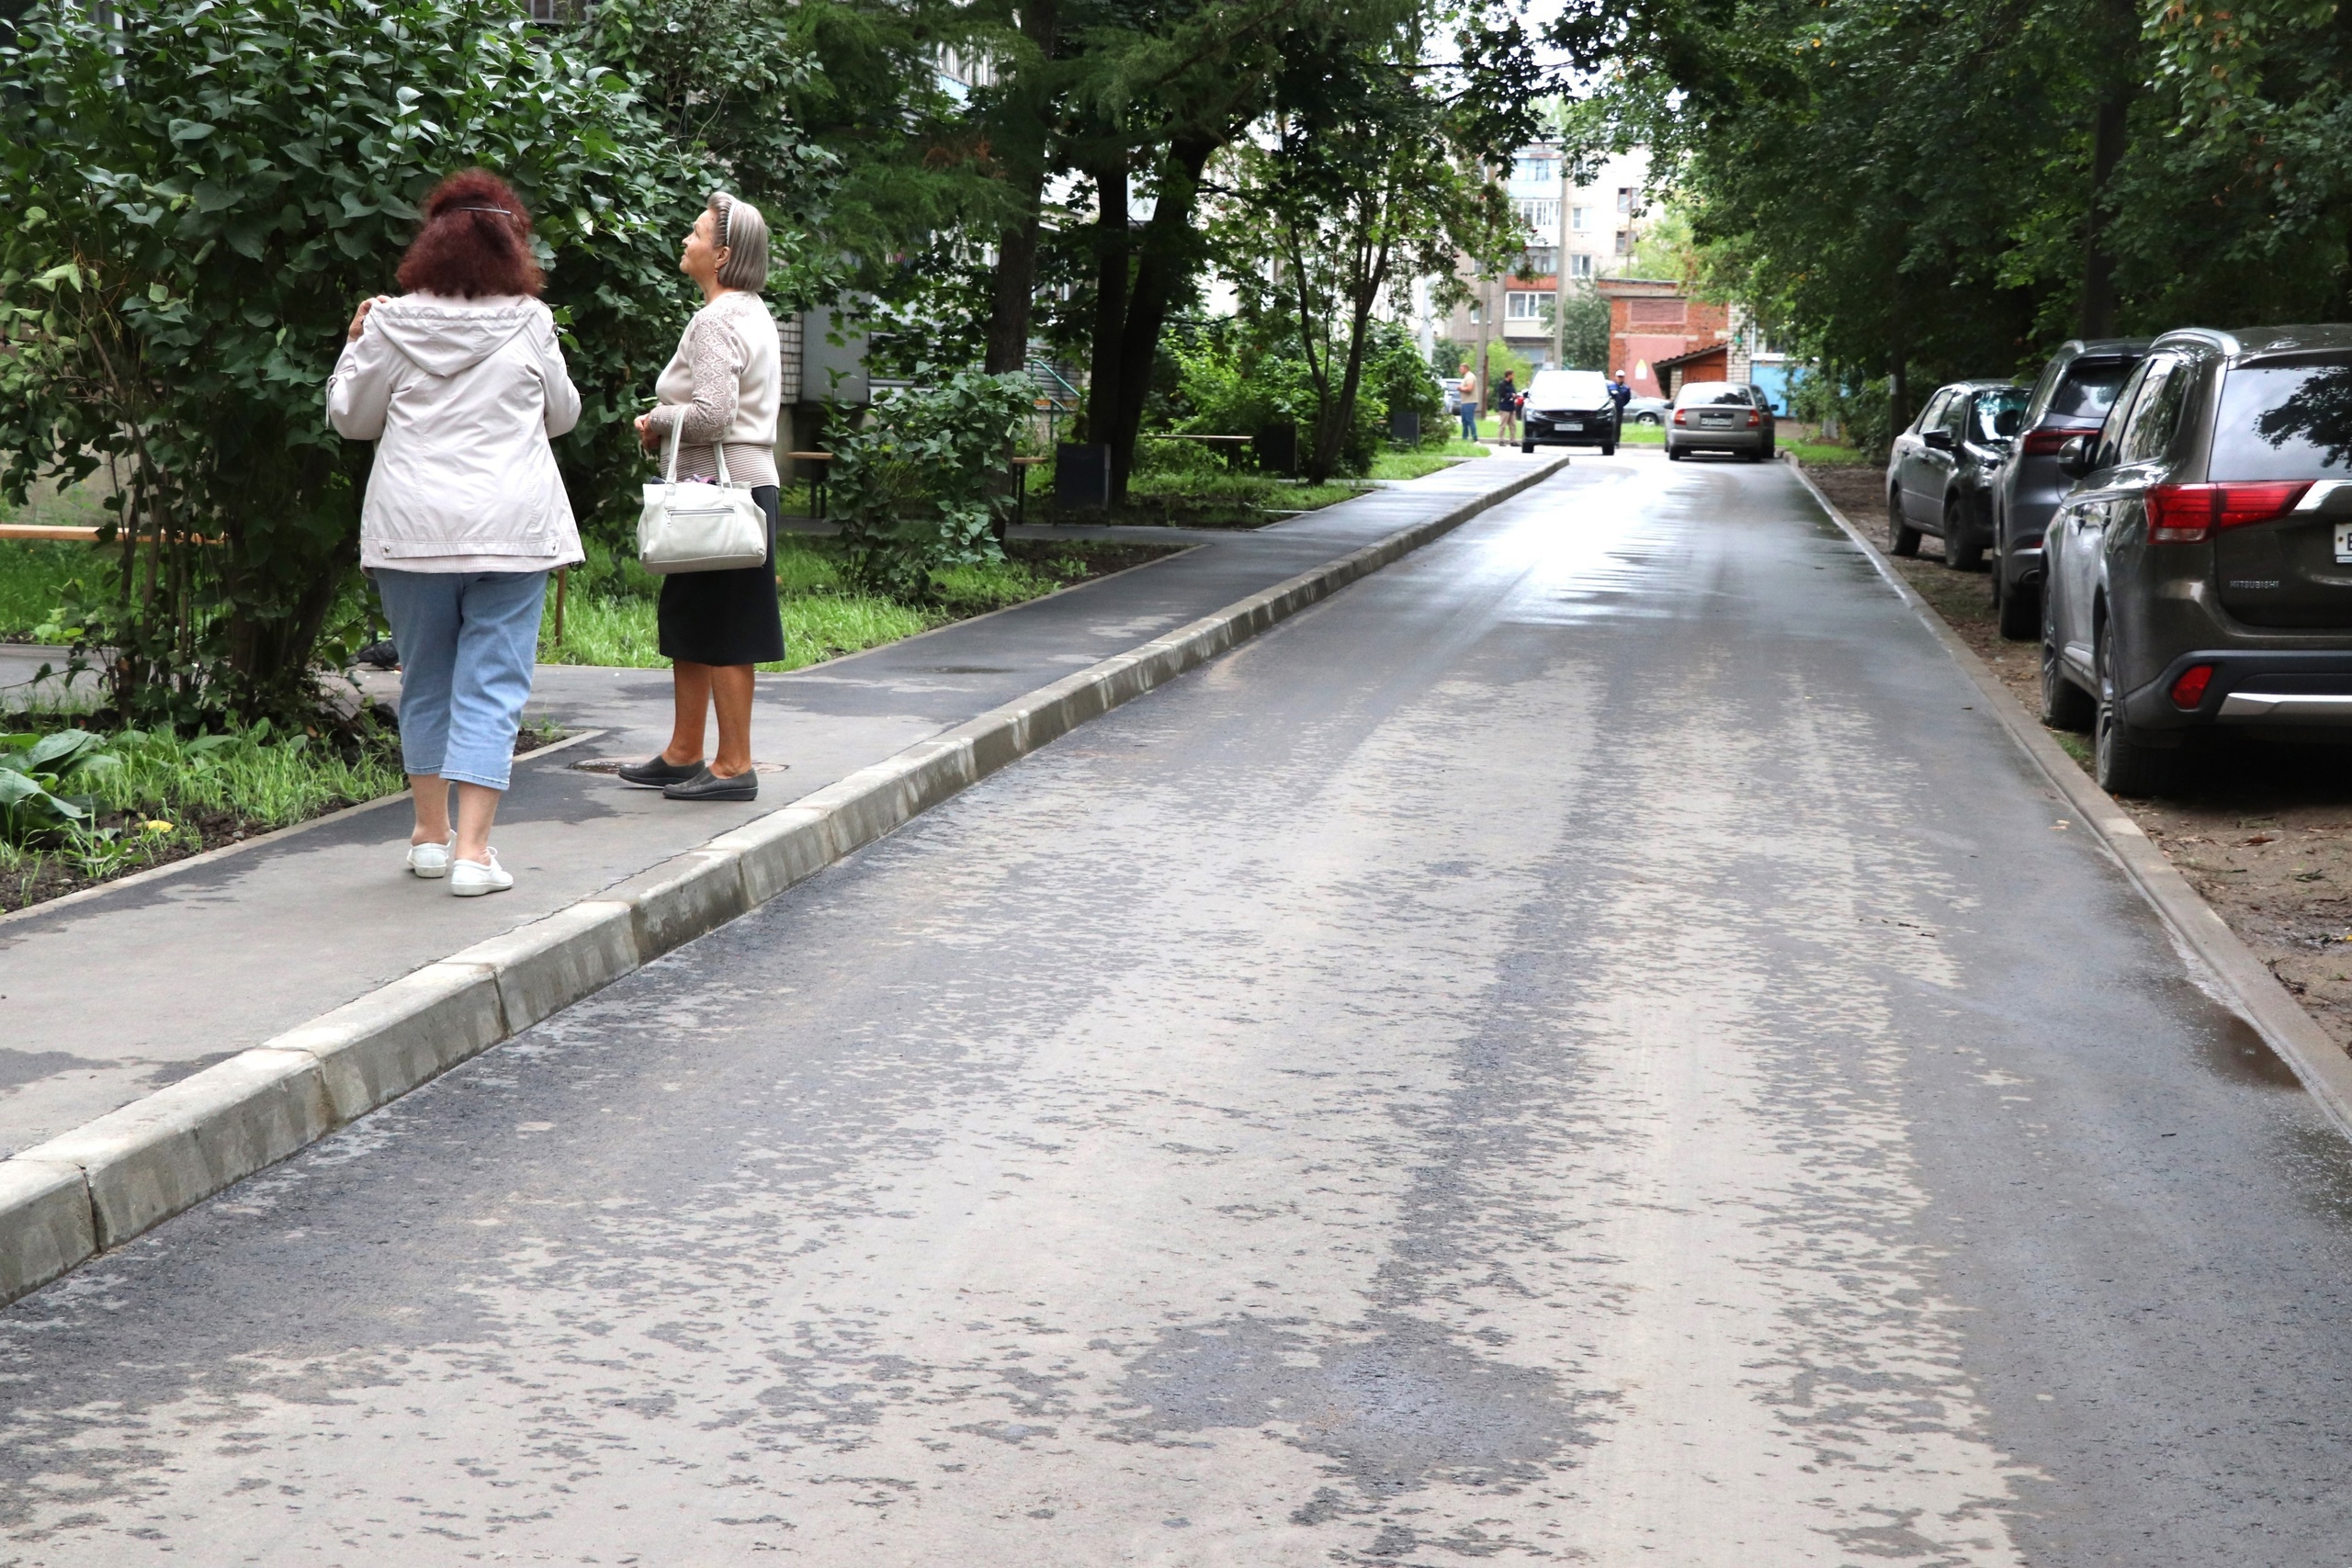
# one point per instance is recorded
(1938, 439)
(2074, 455)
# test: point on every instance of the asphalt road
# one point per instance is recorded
(1586, 1048)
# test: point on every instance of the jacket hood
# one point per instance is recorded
(443, 337)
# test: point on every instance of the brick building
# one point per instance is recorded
(1661, 337)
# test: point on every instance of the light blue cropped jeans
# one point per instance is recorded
(467, 642)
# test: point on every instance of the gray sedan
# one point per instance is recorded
(1720, 416)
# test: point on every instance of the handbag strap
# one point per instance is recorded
(670, 455)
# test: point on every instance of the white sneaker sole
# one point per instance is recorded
(431, 866)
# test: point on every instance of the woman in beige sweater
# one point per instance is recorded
(720, 392)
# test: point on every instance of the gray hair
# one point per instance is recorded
(738, 227)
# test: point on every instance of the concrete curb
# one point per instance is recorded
(65, 1201)
(2322, 1065)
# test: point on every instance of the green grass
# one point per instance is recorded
(1825, 452)
(173, 795)
(1641, 435)
(1422, 461)
(611, 620)
(33, 575)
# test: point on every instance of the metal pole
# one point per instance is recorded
(1560, 273)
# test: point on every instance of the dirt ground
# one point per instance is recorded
(2263, 831)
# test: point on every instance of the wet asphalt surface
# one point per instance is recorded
(1585, 1048)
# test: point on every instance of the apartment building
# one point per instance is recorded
(1585, 231)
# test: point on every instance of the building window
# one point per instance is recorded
(1624, 241)
(1579, 266)
(1539, 215)
(1625, 198)
(1580, 218)
(1538, 261)
(1535, 168)
(1531, 305)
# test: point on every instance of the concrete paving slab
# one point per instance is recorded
(113, 997)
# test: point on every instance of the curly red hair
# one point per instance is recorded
(476, 241)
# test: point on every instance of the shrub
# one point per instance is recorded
(198, 195)
(919, 486)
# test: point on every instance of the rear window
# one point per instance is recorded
(1697, 392)
(2000, 414)
(2089, 388)
(2284, 422)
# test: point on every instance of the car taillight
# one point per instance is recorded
(2186, 514)
(1680, 417)
(1754, 419)
(2045, 442)
(2190, 690)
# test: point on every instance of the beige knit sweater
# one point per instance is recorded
(724, 383)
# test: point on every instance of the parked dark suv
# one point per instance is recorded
(2071, 398)
(1939, 472)
(2199, 573)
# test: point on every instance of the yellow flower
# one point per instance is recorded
(156, 825)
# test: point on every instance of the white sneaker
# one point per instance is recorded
(430, 860)
(471, 878)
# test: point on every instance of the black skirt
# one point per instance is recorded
(725, 618)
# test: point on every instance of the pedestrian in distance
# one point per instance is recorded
(461, 384)
(1467, 403)
(1507, 407)
(1620, 393)
(719, 401)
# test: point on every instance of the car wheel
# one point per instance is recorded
(2065, 706)
(1527, 446)
(1961, 552)
(2123, 760)
(1647, 419)
(2016, 607)
(1609, 448)
(1901, 539)
(1673, 453)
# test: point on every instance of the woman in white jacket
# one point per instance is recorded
(460, 383)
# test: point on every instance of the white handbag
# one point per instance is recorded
(697, 526)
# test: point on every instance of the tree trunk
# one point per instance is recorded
(1338, 414)
(1169, 251)
(1012, 290)
(2097, 316)
(1112, 243)
(1898, 375)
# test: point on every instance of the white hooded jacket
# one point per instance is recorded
(461, 397)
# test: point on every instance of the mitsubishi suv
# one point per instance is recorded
(2199, 574)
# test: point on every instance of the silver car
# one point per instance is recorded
(1720, 416)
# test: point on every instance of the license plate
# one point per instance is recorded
(2344, 542)
(1573, 425)
(1714, 419)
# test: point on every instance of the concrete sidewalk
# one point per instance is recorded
(112, 996)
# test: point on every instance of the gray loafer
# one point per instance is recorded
(707, 785)
(655, 772)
